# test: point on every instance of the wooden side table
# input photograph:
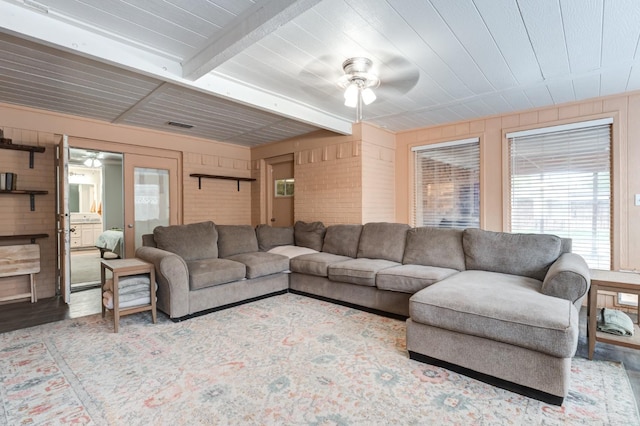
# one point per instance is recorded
(620, 282)
(123, 268)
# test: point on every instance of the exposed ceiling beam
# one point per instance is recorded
(246, 29)
(46, 28)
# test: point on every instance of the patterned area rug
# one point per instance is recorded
(283, 360)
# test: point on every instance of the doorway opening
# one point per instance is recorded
(280, 190)
(96, 213)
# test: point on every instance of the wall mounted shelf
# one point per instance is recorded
(237, 179)
(16, 147)
(30, 193)
(31, 237)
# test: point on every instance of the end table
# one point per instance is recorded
(620, 282)
(123, 268)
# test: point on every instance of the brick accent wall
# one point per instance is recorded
(339, 179)
(378, 177)
(329, 184)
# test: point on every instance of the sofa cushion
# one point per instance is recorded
(236, 239)
(529, 255)
(291, 251)
(383, 240)
(309, 235)
(506, 308)
(260, 263)
(209, 272)
(342, 240)
(410, 278)
(272, 236)
(191, 242)
(430, 246)
(361, 271)
(149, 241)
(315, 264)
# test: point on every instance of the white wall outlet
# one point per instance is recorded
(637, 199)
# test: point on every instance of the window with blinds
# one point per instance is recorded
(447, 184)
(560, 180)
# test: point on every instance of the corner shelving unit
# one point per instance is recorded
(237, 179)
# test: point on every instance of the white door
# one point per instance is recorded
(63, 222)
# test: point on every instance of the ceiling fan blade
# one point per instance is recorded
(399, 84)
(397, 76)
(323, 72)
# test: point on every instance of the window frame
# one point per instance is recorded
(575, 124)
(476, 187)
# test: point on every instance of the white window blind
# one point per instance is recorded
(447, 184)
(561, 184)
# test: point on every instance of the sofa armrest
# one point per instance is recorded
(568, 278)
(172, 277)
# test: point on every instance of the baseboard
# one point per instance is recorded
(351, 305)
(494, 381)
(230, 305)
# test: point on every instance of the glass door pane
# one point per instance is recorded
(151, 192)
(151, 201)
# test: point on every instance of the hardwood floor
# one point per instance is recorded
(19, 315)
(15, 316)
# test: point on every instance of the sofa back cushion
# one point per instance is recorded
(148, 241)
(194, 241)
(528, 255)
(236, 239)
(272, 236)
(383, 240)
(309, 235)
(430, 246)
(342, 240)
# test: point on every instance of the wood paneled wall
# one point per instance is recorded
(624, 109)
(15, 215)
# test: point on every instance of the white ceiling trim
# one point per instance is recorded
(242, 32)
(39, 27)
(234, 90)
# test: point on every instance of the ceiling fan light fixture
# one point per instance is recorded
(351, 95)
(92, 162)
(368, 96)
(358, 80)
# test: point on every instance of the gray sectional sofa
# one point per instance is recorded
(497, 306)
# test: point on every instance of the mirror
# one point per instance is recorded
(82, 198)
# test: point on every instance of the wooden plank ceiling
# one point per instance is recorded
(251, 72)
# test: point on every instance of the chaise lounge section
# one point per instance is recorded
(510, 318)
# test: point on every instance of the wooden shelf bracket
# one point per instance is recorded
(237, 179)
(6, 144)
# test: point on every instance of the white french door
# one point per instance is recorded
(63, 221)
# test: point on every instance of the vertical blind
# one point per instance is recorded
(447, 184)
(561, 184)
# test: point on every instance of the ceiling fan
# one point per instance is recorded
(363, 79)
(358, 81)
(88, 158)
